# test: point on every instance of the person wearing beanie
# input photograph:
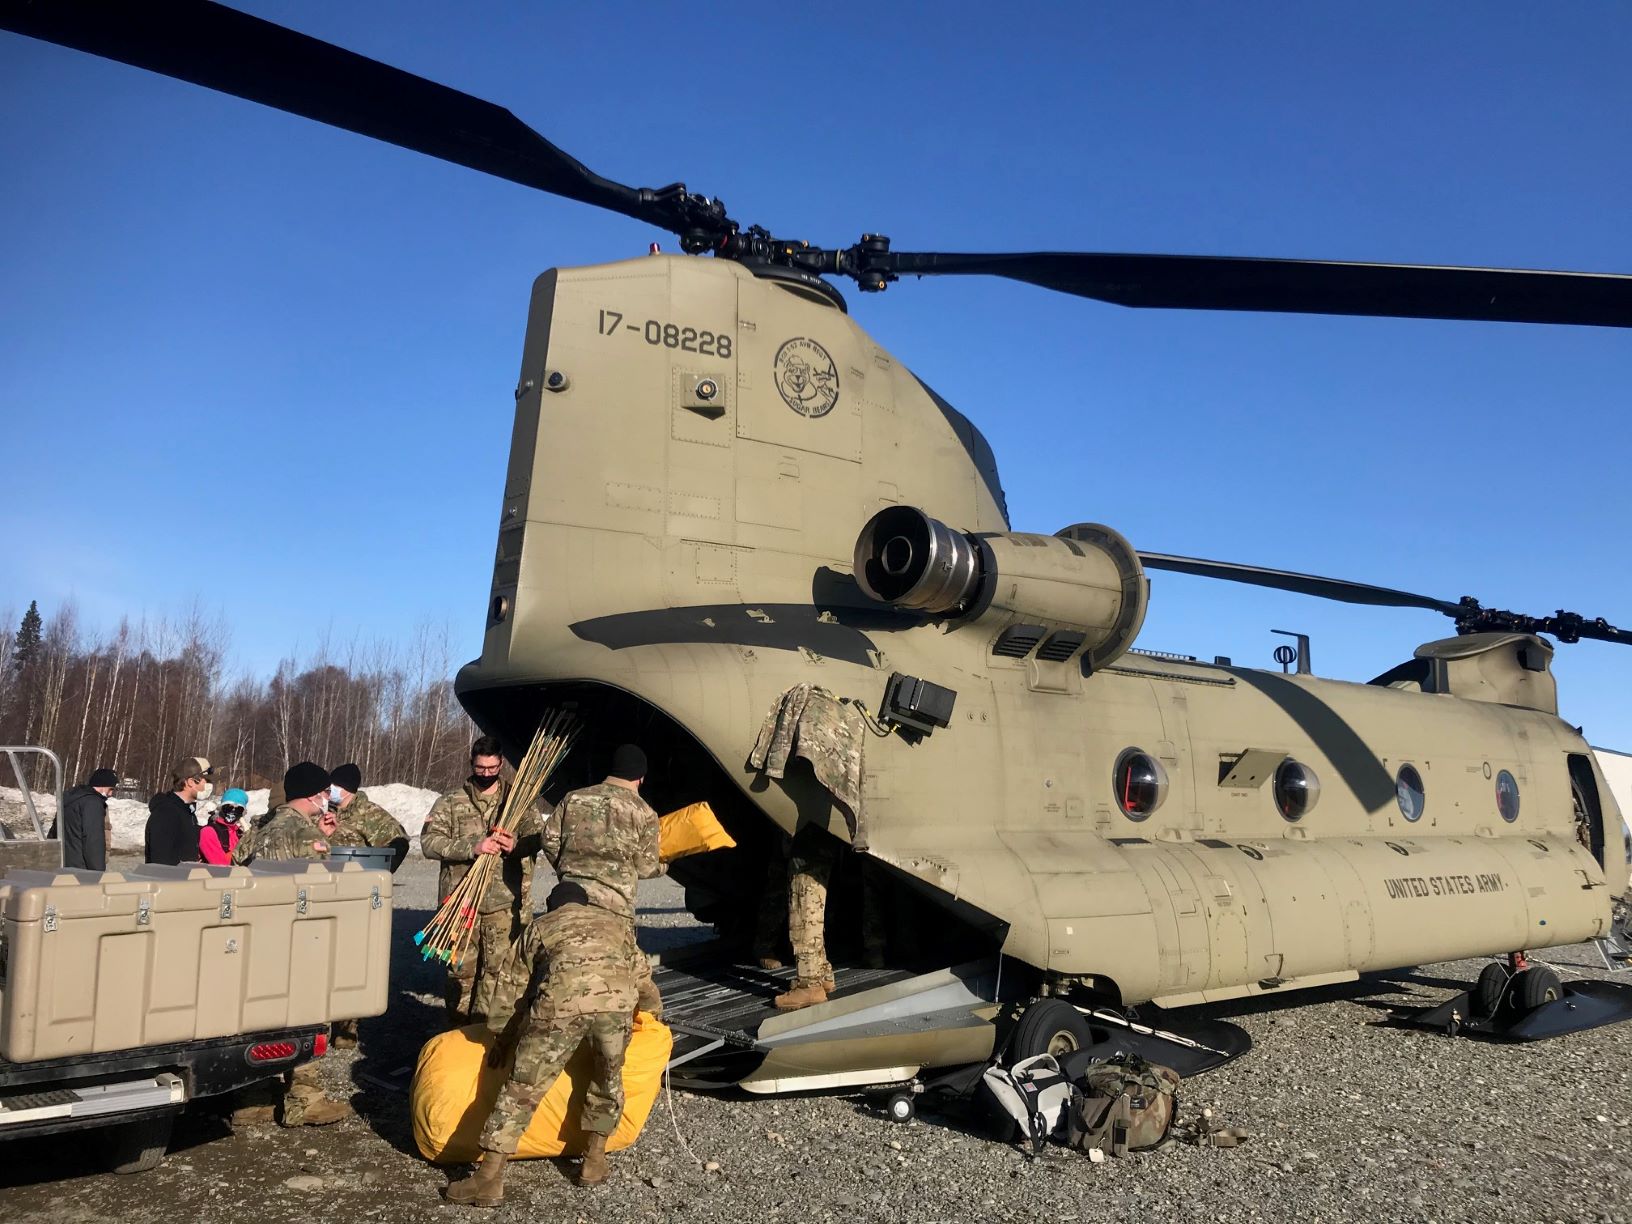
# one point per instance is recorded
(460, 829)
(83, 822)
(299, 829)
(604, 837)
(221, 832)
(362, 822)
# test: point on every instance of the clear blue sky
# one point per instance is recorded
(249, 360)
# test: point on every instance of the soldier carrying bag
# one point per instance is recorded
(1122, 1105)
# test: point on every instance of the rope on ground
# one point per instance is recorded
(674, 1118)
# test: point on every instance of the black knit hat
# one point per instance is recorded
(628, 763)
(304, 780)
(566, 893)
(347, 777)
(103, 777)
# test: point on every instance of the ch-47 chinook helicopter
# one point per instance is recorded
(721, 489)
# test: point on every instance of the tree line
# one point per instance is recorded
(146, 694)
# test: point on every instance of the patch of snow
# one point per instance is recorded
(409, 804)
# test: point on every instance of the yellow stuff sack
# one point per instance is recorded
(454, 1090)
(691, 830)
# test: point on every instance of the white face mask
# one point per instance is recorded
(205, 789)
(335, 796)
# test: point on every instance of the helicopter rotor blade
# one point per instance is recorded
(1303, 584)
(224, 49)
(1304, 286)
(1469, 614)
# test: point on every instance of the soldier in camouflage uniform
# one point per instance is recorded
(362, 823)
(605, 837)
(811, 723)
(576, 975)
(298, 829)
(458, 830)
(810, 866)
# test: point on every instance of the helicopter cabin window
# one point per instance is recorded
(1507, 796)
(1409, 793)
(1140, 783)
(1297, 789)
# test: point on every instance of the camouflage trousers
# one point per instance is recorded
(795, 892)
(469, 992)
(302, 1086)
(544, 1048)
(810, 866)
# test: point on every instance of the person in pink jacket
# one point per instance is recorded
(219, 836)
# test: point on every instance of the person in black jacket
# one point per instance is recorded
(83, 823)
(172, 829)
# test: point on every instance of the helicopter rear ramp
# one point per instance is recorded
(878, 1026)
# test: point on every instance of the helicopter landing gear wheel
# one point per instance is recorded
(1487, 994)
(902, 1108)
(1535, 986)
(1050, 1026)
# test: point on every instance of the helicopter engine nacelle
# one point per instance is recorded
(1081, 593)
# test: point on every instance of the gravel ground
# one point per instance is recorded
(1351, 1119)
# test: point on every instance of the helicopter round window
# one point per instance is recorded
(1297, 789)
(1408, 791)
(1141, 783)
(1507, 796)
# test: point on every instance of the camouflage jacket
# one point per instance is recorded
(366, 823)
(289, 834)
(578, 959)
(458, 821)
(810, 722)
(605, 838)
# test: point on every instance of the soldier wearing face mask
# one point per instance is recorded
(457, 832)
(300, 828)
(172, 828)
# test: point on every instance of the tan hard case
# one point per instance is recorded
(117, 960)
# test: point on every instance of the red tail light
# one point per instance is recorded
(272, 1051)
(320, 1045)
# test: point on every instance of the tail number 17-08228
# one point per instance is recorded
(667, 335)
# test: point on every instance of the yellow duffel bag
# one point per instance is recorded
(691, 830)
(454, 1090)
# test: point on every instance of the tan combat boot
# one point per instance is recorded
(593, 1171)
(483, 1188)
(803, 994)
(248, 1115)
(321, 1113)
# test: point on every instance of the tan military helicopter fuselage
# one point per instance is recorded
(720, 489)
(696, 453)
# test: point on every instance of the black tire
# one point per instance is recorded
(136, 1147)
(1487, 994)
(1049, 1026)
(902, 1108)
(1535, 986)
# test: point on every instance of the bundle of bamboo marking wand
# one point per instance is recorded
(448, 935)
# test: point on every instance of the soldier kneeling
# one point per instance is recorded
(586, 977)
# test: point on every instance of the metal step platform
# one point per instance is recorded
(878, 1025)
(149, 1092)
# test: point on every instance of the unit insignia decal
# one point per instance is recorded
(807, 377)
